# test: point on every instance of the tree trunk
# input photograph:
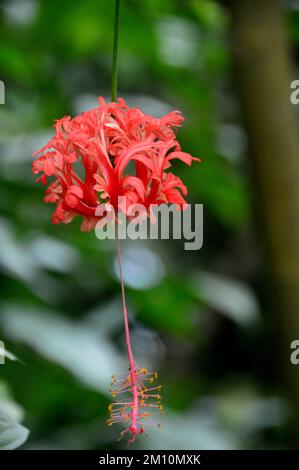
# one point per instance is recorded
(263, 72)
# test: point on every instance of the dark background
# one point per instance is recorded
(216, 323)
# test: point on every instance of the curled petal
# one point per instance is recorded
(135, 183)
(183, 156)
(88, 224)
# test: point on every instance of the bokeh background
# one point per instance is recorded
(216, 323)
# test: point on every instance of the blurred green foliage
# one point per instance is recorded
(195, 315)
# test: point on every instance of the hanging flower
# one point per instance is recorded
(100, 156)
(88, 160)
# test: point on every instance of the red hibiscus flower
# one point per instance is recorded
(108, 152)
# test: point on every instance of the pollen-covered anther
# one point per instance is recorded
(135, 401)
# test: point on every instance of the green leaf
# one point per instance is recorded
(12, 434)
